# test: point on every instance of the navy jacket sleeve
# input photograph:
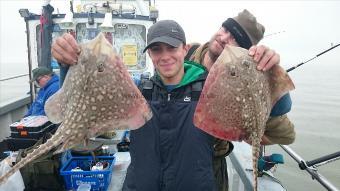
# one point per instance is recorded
(282, 107)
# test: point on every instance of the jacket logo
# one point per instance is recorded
(187, 99)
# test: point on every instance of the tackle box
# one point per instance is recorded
(33, 127)
(30, 123)
(33, 135)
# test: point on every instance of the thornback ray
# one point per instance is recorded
(98, 95)
(236, 99)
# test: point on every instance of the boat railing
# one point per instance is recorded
(10, 112)
(240, 173)
(240, 169)
(13, 77)
(311, 166)
(16, 99)
(13, 108)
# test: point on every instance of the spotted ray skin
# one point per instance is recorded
(98, 95)
(236, 99)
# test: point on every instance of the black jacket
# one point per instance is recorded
(169, 152)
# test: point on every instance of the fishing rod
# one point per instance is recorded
(274, 33)
(304, 165)
(320, 161)
(294, 67)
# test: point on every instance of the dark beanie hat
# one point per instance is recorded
(245, 29)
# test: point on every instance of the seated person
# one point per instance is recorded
(48, 83)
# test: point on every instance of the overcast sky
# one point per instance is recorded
(303, 28)
(309, 26)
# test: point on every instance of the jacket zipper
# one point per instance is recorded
(169, 97)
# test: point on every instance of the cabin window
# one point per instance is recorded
(129, 41)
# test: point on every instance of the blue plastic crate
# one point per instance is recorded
(99, 180)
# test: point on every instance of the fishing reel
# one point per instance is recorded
(266, 163)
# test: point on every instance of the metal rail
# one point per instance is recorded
(311, 170)
(26, 14)
(14, 77)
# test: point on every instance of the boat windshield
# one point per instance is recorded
(128, 40)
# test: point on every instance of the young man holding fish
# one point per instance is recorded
(169, 152)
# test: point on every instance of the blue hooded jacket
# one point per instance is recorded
(37, 107)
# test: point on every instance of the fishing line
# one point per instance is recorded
(274, 33)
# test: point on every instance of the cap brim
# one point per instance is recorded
(164, 39)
